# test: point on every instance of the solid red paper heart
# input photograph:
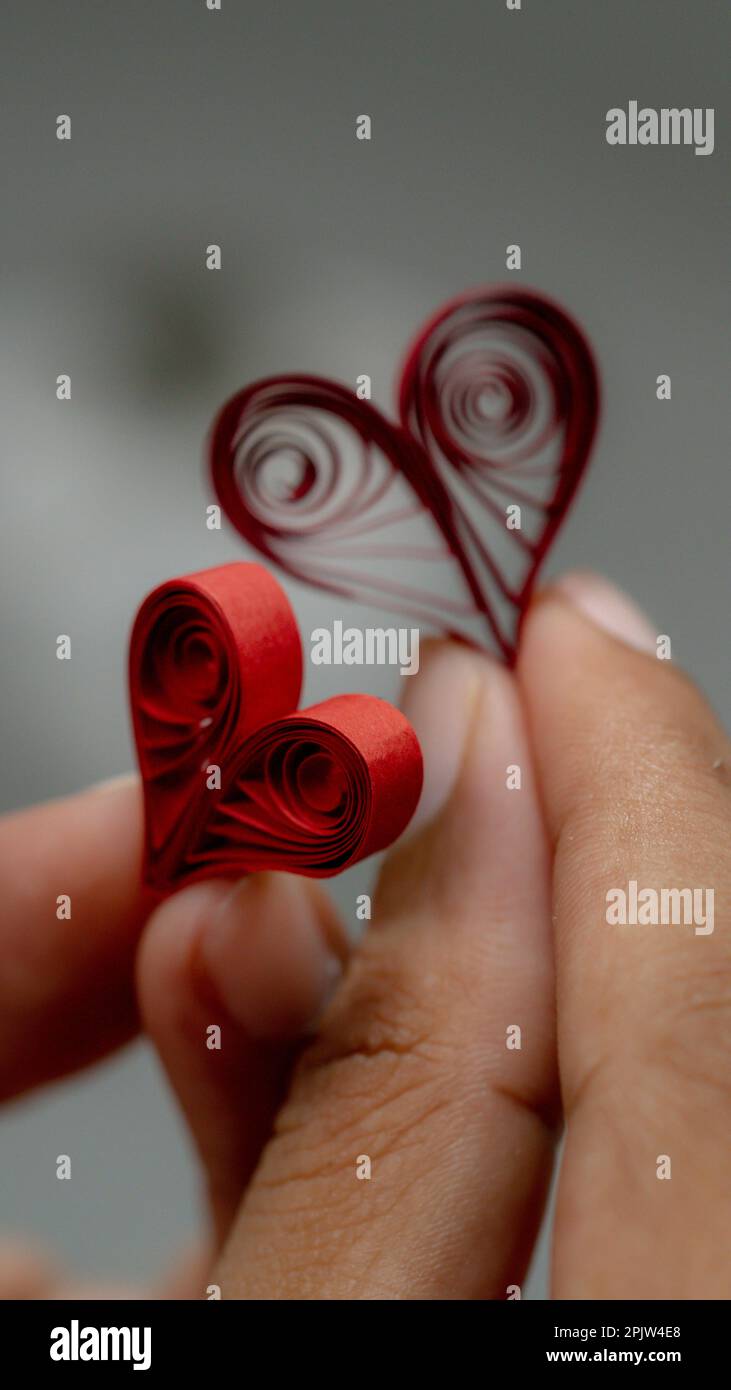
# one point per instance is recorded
(215, 674)
(498, 404)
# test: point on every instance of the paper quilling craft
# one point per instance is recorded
(444, 516)
(215, 676)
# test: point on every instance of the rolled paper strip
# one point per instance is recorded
(212, 655)
(501, 389)
(499, 402)
(314, 792)
(297, 463)
(496, 376)
(215, 676)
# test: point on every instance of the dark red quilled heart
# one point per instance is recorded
(215, 672)
(447, 515)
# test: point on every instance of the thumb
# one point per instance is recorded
(412, 1156)
(637, 796)
(228, 980)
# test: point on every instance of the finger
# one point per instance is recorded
(187, 1278)
(412, 1155)
(66, 981)
(27, 1269)
(96, 1290)
(634, 771)
(228, 980)
(30, 1271)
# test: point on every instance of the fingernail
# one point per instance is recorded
(440, 702)
(609, 609)
(267, 955)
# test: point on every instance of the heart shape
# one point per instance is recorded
(215, 671)
(498, 405)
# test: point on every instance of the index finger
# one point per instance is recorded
(72, 912)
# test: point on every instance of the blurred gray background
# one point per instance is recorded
(238, 127)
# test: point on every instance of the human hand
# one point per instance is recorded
(411, 1065)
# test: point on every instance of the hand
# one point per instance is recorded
(624, 765)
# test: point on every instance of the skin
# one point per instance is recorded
(489, 913)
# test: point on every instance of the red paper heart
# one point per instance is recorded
(498, 403)
(215, 674)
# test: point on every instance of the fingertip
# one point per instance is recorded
(607, 707)
(584, 601)
(274, 954)
(478, 823)
(440, 703)
(267, 950)
(165, 957)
